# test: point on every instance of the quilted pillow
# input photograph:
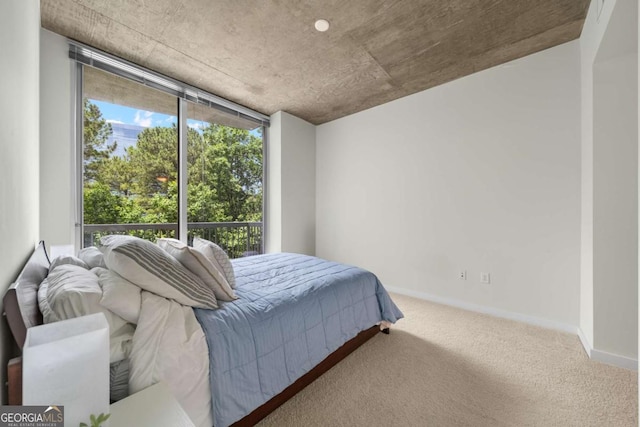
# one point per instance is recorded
(92, 257)
(218, 257)
(147, 265)
(71, 291)
(66, 260)
(201, 266)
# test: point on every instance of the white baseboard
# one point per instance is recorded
(597, 355)
(605, 357)
(505, 314)
(585, 342)
(614, 359)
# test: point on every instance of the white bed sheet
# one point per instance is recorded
(169, 345)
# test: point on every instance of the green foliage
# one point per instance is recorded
(96, 421)
(204, 205)
(155, 156)
(234, 168)
(118, 173)
(224, 175)
(96, 132)
(101, 206)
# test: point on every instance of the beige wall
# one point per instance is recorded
(19, 146)
(480, 174)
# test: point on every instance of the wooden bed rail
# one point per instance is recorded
(14, 381)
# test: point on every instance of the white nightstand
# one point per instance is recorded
(152, 407)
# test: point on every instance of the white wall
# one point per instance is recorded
(609, 266)
(299, 185)
(615, 217)
(56, 145)
(291, 184)
(19, 140)
(273, 198)
(481, 174)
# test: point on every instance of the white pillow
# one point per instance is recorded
(67, 259)
(121, 342)
(218, 257)
(48, 316)
(92, 257)
(71, 291)
(201, 266)
(147, 265)
(119, 295)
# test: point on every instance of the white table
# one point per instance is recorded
(154, 406)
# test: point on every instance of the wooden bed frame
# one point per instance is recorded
(22, 312)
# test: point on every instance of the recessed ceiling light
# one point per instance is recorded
(322, 25)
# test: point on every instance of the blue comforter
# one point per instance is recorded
(292, 312)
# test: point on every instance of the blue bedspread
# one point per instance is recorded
(292, 312)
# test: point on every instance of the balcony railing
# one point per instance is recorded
(238, 239)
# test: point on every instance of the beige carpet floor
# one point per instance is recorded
(443, 366)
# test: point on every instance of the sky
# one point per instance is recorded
(126, 136)
(114, 113)
(119, 114)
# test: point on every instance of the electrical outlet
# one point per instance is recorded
(462, 275)
(485, 278)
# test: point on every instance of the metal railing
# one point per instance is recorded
(238, 239)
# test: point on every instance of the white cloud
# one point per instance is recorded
(143, 118)
(117, 122)
(165, 121)
(196, 125)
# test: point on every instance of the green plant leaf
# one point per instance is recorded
(83, 425)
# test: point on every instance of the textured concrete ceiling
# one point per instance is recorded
(266, 54)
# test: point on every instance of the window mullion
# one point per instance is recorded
(78, 130)
(183, 228)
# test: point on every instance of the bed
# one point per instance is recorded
(295, 316)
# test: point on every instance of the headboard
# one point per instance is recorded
(21, 299)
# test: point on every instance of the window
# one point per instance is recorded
(225, 166)
(155, 164)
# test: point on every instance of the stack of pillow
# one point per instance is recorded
(171, 269)
(109, 281)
